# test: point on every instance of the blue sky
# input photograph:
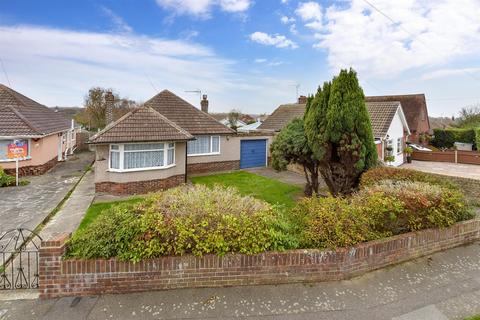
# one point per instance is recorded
(244, 54)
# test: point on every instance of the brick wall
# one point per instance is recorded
(33, 170)
(207, 167)
(139, 187)
(59, 278)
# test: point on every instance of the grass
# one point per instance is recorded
(97, 208)
(473, 318)
(249, 184)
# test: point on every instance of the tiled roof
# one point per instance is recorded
(414, 107)
(282, 116)
(185, 115)
(381, 116)
(21, 116)
(141, 125)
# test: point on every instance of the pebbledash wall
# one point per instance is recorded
(60, 278)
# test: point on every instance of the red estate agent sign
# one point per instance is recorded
(17, 149)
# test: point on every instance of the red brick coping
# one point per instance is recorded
(60, 278)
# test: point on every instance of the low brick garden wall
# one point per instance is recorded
(60, 278)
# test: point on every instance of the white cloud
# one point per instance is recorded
(202, 8)
(276, 40)
(273, 63)
(309, 11)
(260, 60)
(442, 73)
(287, 20)
(425, 34)
(119, 23)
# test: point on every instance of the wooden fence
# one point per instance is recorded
(467, 157)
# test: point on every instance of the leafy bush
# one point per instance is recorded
(386, 208)
(188, 219)
(477, 138)
(445, 138)
(5, 179)
(376, 175)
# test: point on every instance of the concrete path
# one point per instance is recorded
(73, 210)
(27, 206)
(445, 285)
(283, 176)
(471, 171)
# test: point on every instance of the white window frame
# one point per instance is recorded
(211, 146)
(399, 145)
(28, 157)
(121, 151)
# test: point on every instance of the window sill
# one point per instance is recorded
(203, 154)
(141, 169)
(13, 160)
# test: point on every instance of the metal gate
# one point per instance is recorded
(19, 259)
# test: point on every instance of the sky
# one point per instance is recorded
(250, 55)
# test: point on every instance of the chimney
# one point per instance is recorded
(302, 99)
(204, 103)
(109, 100)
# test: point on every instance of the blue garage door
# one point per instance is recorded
(253, 153)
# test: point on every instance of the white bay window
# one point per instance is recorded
(204, 145)
(141, 156)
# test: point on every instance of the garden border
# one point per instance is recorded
(60, 278)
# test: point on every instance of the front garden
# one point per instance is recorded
(244, 213)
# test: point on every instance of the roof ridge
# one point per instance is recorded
(25, 120)
(114, 123)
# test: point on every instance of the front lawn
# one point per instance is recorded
(250, 184)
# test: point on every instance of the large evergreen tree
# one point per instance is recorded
(339, 133)
(291, 146)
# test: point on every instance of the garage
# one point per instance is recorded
(253, 153)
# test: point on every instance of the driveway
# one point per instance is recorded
(471, 171)
(443, 286)
(27, 206)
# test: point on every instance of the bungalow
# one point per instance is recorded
(157, 145)
(389, 125)
(36, 134)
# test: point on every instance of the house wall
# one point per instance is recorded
(422, 127)
(43, 156)
(102, 174)
(229, 157)
(396, 131)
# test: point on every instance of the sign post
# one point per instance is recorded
(17, 150)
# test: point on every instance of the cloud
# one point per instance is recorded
(309, 11)
(62, 64)
(119, 23)
(442, 73)
(276, 40)
(203, 8)
(287, 20)
(269, 63)
(260, 60)
(424, 34)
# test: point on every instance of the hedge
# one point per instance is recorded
(445, 138)
(477, 137)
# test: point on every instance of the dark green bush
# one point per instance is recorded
(189, 219)
(477, 138)
(445, 138)
(5, 179)
(386, 208)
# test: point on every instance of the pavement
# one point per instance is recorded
(471, 171)
(27, 206)
(445, 285)
(285, 176)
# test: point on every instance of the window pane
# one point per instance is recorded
(114, 160)
(216, 144)
(114, 147)
(143, 146)
(170, 156)
(201, 145)
(4, 149)
(171, 145)
(147, 159)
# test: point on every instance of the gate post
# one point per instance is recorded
(50, 264)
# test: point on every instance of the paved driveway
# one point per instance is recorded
(27, 206)
(471, 171)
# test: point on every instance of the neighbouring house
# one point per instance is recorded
(389, 125)
(158, 145)
(250, 127)
(39, 134)
(415, 109)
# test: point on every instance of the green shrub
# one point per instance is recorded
(5, 179)
(383, 209)
(378, 174)
(188, 219)
(477, 138)
(445, 138)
